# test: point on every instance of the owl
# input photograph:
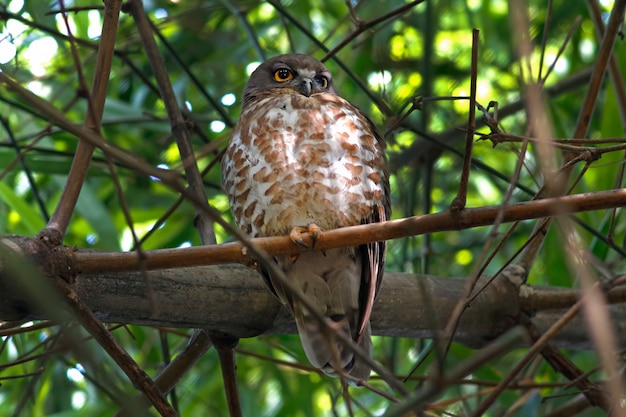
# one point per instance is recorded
(304, 160)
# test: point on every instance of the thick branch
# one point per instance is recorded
(234, 300)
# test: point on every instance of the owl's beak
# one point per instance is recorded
(306, 86)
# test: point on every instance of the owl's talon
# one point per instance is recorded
(312, 229)
(294, 235)
(314, 232)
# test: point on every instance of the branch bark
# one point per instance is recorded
(233, 299)
(92, 261)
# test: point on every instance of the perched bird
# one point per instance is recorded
(302, 159)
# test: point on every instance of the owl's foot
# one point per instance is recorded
(312, 229)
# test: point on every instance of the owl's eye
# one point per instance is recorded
(323, 81)
(283, 74)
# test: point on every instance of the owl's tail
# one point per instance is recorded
(331, 282)
(325, 351)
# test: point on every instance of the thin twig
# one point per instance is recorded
(179, 130)
(203, 219)
(568, 37)
(201, 89)
(78, 171)
(362, 26)
(172, 373)
(429, 147)
(598, 319)
(417, 401)
(113, 348)
(226, 353)
(616, 21)
(240, 13)
(461, 198)
(544, 39)
(354, 235)
(617, 81)
(574, 144)
(539, 344)
(584, 119)
(26, 169)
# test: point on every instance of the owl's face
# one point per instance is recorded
(297, 73)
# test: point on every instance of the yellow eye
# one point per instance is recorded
(283, 74)
(323, 82)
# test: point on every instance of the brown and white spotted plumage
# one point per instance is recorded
(302, 158)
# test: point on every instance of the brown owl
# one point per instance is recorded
(303, 159)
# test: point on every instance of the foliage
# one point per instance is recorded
(209, 49)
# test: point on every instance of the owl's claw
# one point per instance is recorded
(315, 232)
(312, 229)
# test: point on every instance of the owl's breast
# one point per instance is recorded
(295, 160)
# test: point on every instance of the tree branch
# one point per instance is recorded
(234, 299)
(93, 261)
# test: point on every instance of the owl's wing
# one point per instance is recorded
(373, 257)
(374, 253)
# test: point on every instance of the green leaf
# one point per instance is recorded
(91, 208)
(29, 217)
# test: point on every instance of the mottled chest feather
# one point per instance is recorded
(294, 160)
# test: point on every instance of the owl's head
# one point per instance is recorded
(300, 74)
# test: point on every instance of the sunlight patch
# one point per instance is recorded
(160, 13)
(323, 401)
(11, 350)
(561, 66)
(217, 126)
(79, 399)
(483, 90)
(160, 166)
(39, 88)
(251, 67)
(273, 396)
(62, 26)
(266, 11)
(91, 238)
(15, 27)
(39, 54)
(95, 24)
(488, 193)
(15, 6)
(461, 105)
(587, 49)
(74, 375)
(474, 4)
(228, 99)
(378, 80)
(7, 49)
(463, 257)
(141, 229)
